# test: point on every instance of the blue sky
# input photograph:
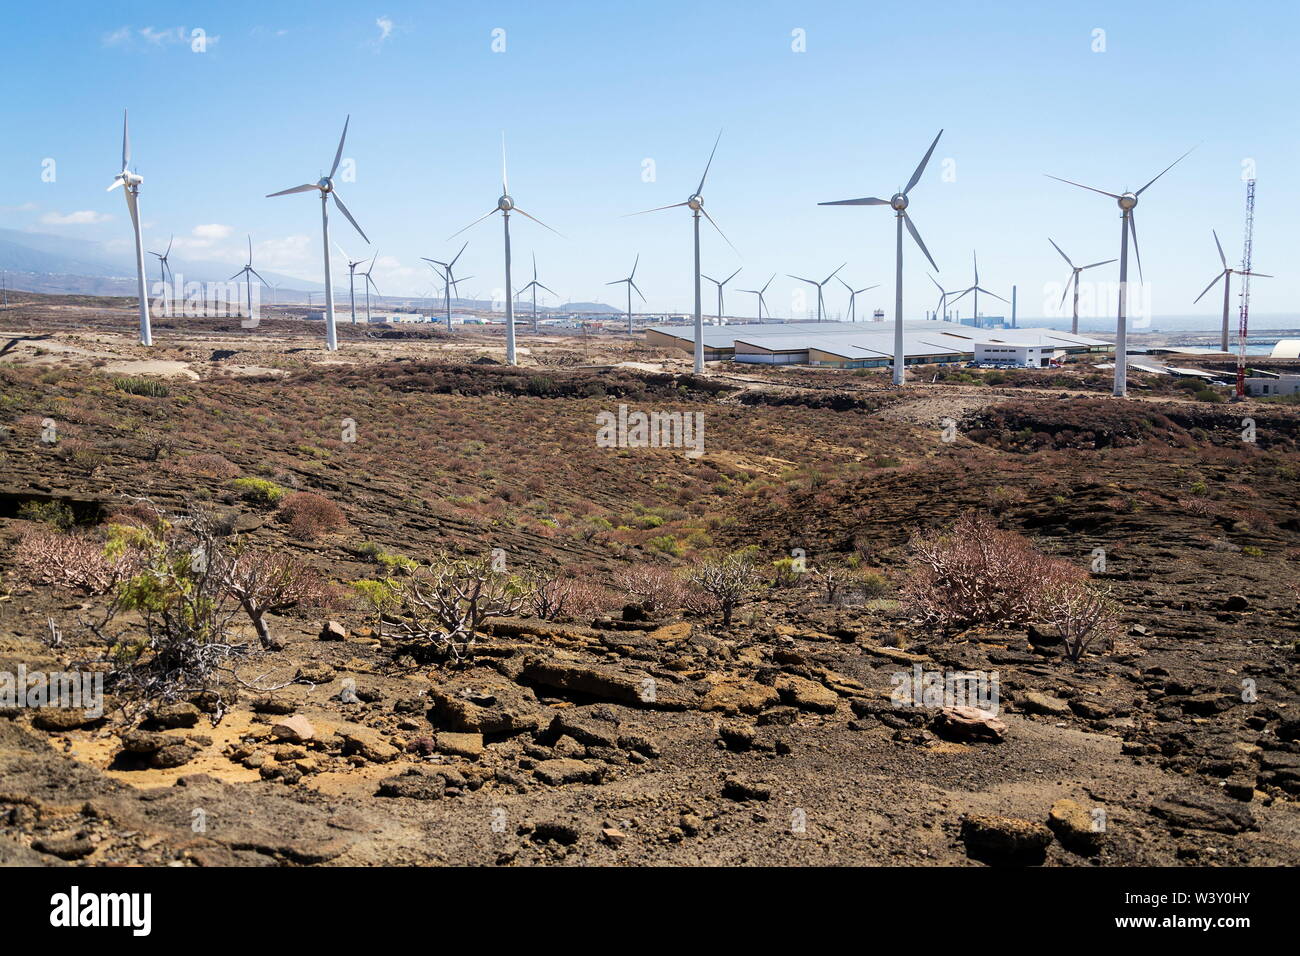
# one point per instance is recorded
(588, 92)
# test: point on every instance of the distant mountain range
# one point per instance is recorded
(38, 262)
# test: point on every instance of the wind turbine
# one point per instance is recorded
(326, 186)
(898, 202)
(164, 267)
(448, 278)
(853, 295)
(761, 301)
(943, 299)
(977, 289)
(370, 283)
(535, 285)
(720, 285)
(631, 284)
(1226, 276)
(819, 287)
(1127, 202)
(246, 272)
(506, 205)
(352, 276)
(695, 202)
(1074, 277)
(131, 186)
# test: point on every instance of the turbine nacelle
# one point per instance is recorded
(898, 202)
(325, 184)
(1127, 201)
(505, 203)
(696, 201)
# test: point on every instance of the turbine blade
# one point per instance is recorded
(732, 276)
(699, 189)
(1092, 265)
(1074, 277)
(236, 276)
(462, 249)
(250, 250)
(305, 187)
(907, 221)
(1222, 258)
(536, 220)
(135, 212)
(1210, 286)
(259, 276)
(995, 295)
(338, 155)
(616, 282)
(126, 142)
(1137, 254)
(832, 275)
(1262, 275)
(802, 279)
(1081, 185)
(474, 223)
(867, 201)
(876, 286)
(921, 167)
(169, 247)
(116, 182)
(344, 209)
(548, 289)
(636, 263)
(505, 180)
(1163, 171)
(936, 284)
(1058, 249)
(766, 284)
(655, 209)
(720, 232)
(638, 291)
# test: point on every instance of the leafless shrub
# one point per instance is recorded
(551, 596)
(653, 586)
(730, 580)
(74, 561)
(444, 603)
(310, 515)
(270, 582)
(208, 465)
(1081, 612)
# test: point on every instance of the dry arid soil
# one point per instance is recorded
(770, 740)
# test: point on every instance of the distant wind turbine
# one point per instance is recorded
(370, 283)
(131, 182)
(449, 279)
(1127, 202)
(506, 205)
(352, 277)
(631, 284)
(720, 285)
(853, 296)
(761, 301)
(695, 202)
(246, 272)
(898, 202)
(164, 267)
(819, 286)
(977, 289)
(1074, 277)
(535, 285)
(1226, 276)
(326, 187)
(942, 307)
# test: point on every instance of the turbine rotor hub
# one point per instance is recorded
(898, 202)
(696, 201)
(1127, 201)
(505, 203)
(326, 184)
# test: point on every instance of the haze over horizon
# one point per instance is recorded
(1019, 91)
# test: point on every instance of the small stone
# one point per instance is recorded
(173, 755)
(296, 728)
(738, 788)
(564, 770)
(1236, 602)
(180, 714)
(998, 839)
(1038, 703)
(1073, 826)
(145, 741)
(613, 836)
(333, 631)
(65, 848)
(58, 719)
(806, 694)
(968, 723)
(461, 745)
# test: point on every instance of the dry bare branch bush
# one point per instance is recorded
(270, 582)
(974, 573)
(73, 561)
(552, 596)
(310, 515)
(446, 602)
(653, 586)
(730, 580)
(1081, 612)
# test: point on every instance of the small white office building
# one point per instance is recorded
(1268, 387)
(1010, 353)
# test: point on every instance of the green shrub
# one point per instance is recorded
(259, 491)
(667, 544)
(149, 387)
(54, 513)
(1208, 395)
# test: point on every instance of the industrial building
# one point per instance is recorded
(867, 344)
(1269, 387)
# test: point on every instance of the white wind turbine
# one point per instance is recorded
(853, 297)
(370, 283)
(762, 303)
(131, 187)
(1226, 276)
(326, 186)
(720, 285)
(1074, 277)
(164, 267)
(247, 272)
(942, 308)
(1127, 202)
(506, 205)
(898, 202)
(695, 202)
(976, 289)
(449, 279)
(631, 284)
(819, 287)
(535, 285)
(352, 279)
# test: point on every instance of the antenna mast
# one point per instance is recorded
(1245, 288)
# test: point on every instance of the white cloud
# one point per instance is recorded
(118, 37)
(147, 37)
(385, 25)
(82, 217)
(212, 230)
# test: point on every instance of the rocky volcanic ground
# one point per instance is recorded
(667, 738)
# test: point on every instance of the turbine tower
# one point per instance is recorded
(977, 289)
(448, 278)
(898, 202)
(853, 296)
(326, 187)
(819, 287)
(720, 285)
(164, 267)
(370, 283)
(1127, 202)
(1226, 276)
(506, 205)
(246, 272)
(352, 280)
(535, 285)
(695, 202)
(761, 301)
(631, 284)
(130, 182)
(1074, 277)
